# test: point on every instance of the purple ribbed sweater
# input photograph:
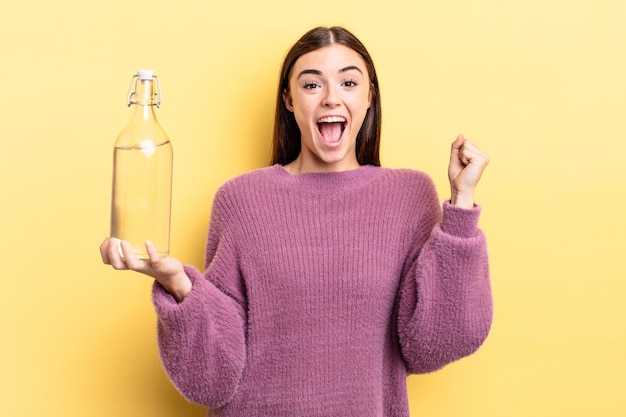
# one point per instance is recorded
(321, 292)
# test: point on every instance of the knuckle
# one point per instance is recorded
(118, 267)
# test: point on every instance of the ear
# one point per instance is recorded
(369, 97)
(288, 101)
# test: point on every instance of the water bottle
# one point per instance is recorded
(142, 172)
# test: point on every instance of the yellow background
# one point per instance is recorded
(540, 85)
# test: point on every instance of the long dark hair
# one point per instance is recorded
(286, 143)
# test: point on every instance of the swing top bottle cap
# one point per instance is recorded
(145, 74)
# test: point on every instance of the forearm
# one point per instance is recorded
(445, 306)
(201, 341)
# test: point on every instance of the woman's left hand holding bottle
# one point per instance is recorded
(167, 271)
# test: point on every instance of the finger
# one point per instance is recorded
(130, 258)
(465, 158)
(152, 252)
(115, 255)
(103, 251)
(470, 147)
(474, 154)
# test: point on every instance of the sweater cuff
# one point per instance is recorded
(460, 222)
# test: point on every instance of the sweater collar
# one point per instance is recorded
(326, 181)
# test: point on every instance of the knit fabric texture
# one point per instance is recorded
(323, 291)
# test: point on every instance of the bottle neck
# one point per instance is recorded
(144, 100)
(144, 93)
(143, 130)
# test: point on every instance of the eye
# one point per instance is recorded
(311, 85)
(350, 83)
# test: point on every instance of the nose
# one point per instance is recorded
(331, 97)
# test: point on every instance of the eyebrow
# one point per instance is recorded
(318, 72)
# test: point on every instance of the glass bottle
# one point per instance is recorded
(142, 172)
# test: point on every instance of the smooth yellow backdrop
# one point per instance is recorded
(540, 85)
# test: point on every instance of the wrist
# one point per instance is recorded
(462, 200)
(179, 287)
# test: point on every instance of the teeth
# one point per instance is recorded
(332, 119)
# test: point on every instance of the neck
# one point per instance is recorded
(301, 166)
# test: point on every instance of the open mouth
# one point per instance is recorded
(331, 128)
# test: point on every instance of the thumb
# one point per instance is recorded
(455, 150)
(457, 145)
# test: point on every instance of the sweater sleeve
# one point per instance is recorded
(202, 339)
(445, 304)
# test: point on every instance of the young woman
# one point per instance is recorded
(327, 278)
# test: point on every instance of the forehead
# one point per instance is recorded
(331, 58)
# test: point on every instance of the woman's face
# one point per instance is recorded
(329, 94)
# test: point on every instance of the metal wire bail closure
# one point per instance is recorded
(131, 91)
